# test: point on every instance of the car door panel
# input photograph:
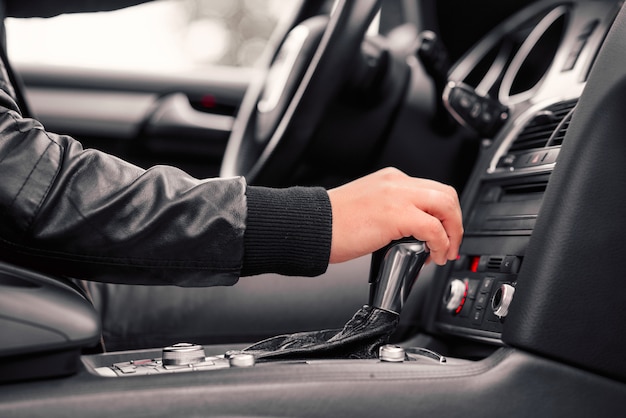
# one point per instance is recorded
(85, 114)
(180, 120)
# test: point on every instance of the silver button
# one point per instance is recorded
(391, 353)
(242, 360)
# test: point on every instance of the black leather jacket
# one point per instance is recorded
(89, 215)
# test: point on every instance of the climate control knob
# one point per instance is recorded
(455, 295)
(501, 300)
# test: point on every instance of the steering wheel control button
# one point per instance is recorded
(183, 354)
(501, 300)
(391, 353)
(242, 360)
(455, 296)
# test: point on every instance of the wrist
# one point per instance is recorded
(288, 231)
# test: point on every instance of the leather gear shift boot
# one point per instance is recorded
(360, 338)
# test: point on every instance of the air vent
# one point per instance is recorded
(538, 132)
(494, 263)
(559, 133)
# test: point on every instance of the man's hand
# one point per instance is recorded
(374, 210)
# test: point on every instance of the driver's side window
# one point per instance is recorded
(163, 36)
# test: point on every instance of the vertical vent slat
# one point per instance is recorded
(559, 134)
(541, 131)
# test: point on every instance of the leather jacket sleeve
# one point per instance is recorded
(89, 215)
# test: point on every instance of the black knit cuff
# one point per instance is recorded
(288, 231)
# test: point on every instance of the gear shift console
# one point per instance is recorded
(394, 270)
(401, 263)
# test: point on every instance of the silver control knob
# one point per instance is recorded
(391, 353)
(502, 299)
(242, 360)
(454, 297)
(183, 354)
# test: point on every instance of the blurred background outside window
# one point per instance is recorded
(162, 36)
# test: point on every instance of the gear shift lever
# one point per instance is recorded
(371, 326)
(402, 261)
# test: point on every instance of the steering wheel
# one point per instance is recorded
(282, 108)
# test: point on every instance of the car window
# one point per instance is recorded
(160, 36)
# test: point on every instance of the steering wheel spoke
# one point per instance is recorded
(282, 109)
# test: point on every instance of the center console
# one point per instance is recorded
(535, 67)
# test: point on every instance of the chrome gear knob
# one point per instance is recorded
(400, 264)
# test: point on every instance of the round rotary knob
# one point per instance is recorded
(391, 353)
(183, 354)
(502, 299)
(454, 297)
(242, 360)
